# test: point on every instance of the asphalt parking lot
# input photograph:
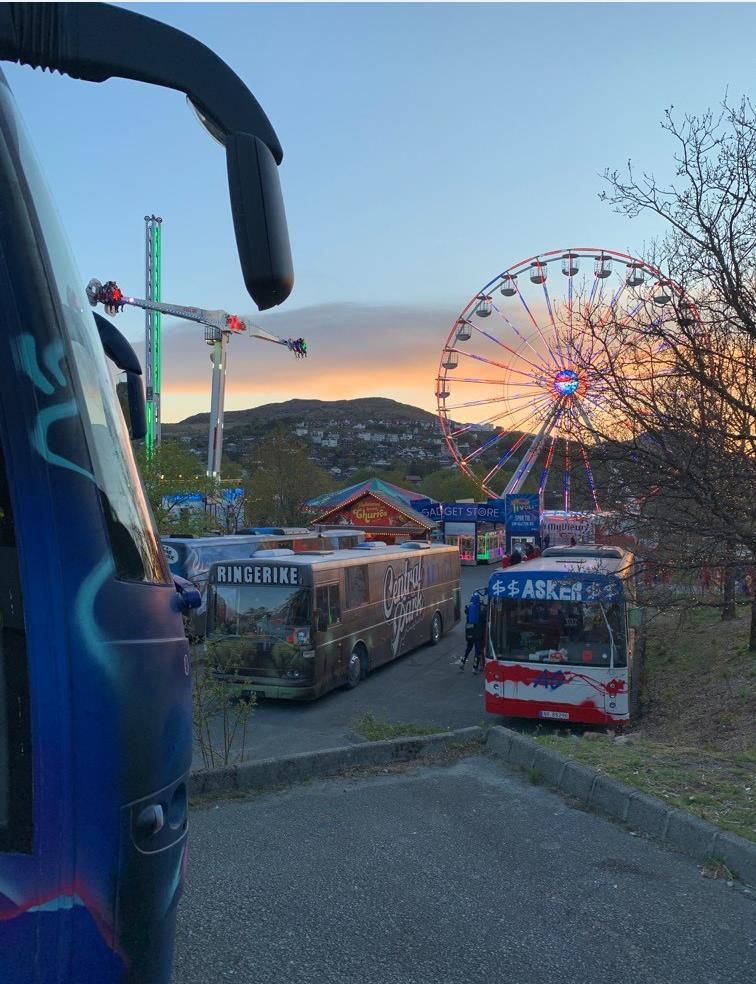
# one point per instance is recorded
(457, 874)
(423, 687)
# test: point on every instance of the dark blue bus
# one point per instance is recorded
(95, 703)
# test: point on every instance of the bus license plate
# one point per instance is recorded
(555, 715)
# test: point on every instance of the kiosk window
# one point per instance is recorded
(356, 586)
(15, 728)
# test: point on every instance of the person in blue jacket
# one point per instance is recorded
(474, 629)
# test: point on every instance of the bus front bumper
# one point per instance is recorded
(275, 691)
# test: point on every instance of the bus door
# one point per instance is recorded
(329, 630)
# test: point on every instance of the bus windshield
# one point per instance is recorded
(261, 611)
(571, 632)
(136, 552)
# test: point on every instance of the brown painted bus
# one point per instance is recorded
(303, 624)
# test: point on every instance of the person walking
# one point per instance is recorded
(480, 635)
(472, 627)
(515, 558)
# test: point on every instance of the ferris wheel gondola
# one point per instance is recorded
(532, 328)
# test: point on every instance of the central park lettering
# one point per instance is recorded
(402, 600)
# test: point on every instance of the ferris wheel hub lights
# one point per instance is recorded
(566, 382)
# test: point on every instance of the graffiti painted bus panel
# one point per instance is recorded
(560, 646)
(299, 625)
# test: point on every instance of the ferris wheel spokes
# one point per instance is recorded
(504, 459)
(508, 348)
(536, 325)
(516, 330)
(546, 467)
(537, 405)
(563, 361)
(523, 470)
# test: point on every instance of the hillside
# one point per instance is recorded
(367, 410)
(374, 434)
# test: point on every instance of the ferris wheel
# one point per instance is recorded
(520, 375)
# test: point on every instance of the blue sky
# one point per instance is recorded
(426, 147)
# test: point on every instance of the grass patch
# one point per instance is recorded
(714, 868)
(373, 729)
(719, 787)
(699, 680)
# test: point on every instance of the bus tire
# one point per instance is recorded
(356, 667)
(437, 629)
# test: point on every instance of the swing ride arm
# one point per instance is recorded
(113, 299)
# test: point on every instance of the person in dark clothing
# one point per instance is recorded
(546, 542)
(480, 636)
(473, 628)
(515, 558)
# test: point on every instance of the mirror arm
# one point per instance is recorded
(116, 347)
(123, 356)
(96, 41)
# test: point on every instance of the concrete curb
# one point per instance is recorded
(275, 772)
(644, 814)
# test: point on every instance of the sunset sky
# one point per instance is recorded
(426, 148)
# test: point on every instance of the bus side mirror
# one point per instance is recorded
(635, 617)
(187, 596)
(262, 236)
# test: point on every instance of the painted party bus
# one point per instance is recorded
(303, 624)
(95, 691)
(561, 637)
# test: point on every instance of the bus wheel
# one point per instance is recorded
(357, 667)
(437, 629)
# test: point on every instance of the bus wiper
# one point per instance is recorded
(612, 647)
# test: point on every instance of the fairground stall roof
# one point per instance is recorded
(376, 506)
(332, 500)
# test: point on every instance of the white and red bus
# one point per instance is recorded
(561, 637)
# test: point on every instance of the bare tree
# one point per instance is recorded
(675, 380)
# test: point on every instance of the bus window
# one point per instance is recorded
(136, 551)
(327, 606)
(357, 590)
(15, 733)
(575, 633)
(259, 610)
